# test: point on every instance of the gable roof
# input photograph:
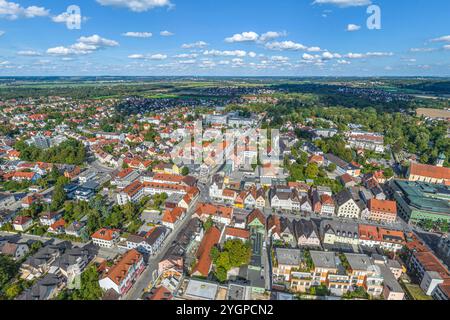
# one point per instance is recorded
(210, 239)
(120, 270)
(425, 170)
(384, 206)
(256, 214)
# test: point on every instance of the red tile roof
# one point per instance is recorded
(161, 293)
(212, 210)
(119, 272)
(256, 214)
(425, 170)
(21, 220)
(238, 233)
(210, 239)
(105, 234)
(172, 216)
(385, 206)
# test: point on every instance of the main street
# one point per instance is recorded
(149, 275)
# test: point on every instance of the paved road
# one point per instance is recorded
(27, 237)
(150, 273)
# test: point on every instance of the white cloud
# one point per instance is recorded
(186, 56)
(29, 53)
(285, 45)
(2, 33)
(158, 56)
(13, 11)
(166, 33)
(96, 40)
(442, 39)
(252, 54)
(447, 47)
(343, 61)
(307, 56)
(422, 49)
(137, 5)
(344, 3)
(226, 53)
(314, 49)
(354, 55)
(328, 55)
(136, 56)
(137, 34)
(198, 44)
(190, 61)
(270, 35)
(65, 17)
(84, 45)
(368, 55)
(353, 27)
(279, 58)
(249, 36)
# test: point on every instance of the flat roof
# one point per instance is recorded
(202, 290)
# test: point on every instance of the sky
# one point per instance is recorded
(225, 38)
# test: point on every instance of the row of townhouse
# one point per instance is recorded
(305, 233)
(123, 274)
(354, 203)
(366, 140)
(352, 233)
(298, 271)
(302, 233)
(251, 198)
(432, 273)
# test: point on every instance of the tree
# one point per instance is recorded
(13, 290)
(58, 198)
(331, 167)
(185, 171)
(89, 287)
(208, 224)
(312, 171)
(8, 269)
(235, 254)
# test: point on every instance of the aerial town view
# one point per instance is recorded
(224, 150)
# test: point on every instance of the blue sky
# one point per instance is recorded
(225, 37)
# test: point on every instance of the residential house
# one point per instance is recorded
(204, 261)
(172, 218)
(22, 223)
(306, 233)
(148, 243)
(105, 238)
(382, 210)
(15, 250)
(346, 206)
(124, 273)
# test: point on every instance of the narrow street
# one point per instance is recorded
(150, 273)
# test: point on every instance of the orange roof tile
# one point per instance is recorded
(119, 272)
(385, 206)
(238, 233)
(425, 170)
(210, 239)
